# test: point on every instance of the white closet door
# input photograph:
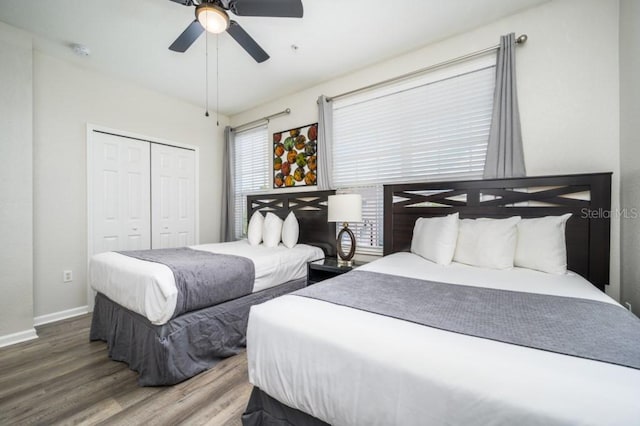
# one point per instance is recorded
(121, 195)
(173, 196)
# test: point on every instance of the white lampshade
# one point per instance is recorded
(212, 18)
(345, 208)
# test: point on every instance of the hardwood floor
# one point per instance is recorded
(62, 378)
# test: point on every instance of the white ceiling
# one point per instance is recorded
(130, 38)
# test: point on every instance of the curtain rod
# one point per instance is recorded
(520, 40)
(255, 123)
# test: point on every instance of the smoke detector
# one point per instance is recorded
(80, 49)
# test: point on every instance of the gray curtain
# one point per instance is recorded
(505, 157)
(227, 219)
(325, 140)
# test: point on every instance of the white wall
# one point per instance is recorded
(66, 98)
(16, 195)
(630, 150)
(567, 83)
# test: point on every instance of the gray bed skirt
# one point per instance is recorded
(183, 347)
(262, 410)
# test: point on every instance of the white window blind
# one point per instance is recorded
(414, 132)
(251, 174)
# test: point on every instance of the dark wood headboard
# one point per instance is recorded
(310, 209)
(587, 196)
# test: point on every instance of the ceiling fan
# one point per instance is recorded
(212, 15)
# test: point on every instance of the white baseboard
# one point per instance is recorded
(57, 316)
(22, 336)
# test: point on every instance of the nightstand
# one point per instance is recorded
(323, 269)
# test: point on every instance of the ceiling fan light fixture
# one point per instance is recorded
(212, 18)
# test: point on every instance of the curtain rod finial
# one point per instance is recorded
(522, 39)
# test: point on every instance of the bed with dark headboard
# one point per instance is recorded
(310, 209)
(586, 196)
(366, 358)
(164, 353)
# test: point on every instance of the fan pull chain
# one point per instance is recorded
(206, 71)
(217, 79)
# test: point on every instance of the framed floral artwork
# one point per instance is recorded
(295, 157)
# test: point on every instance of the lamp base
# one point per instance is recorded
(345, 263)
(345, 259)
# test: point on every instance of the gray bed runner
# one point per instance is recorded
(202, 278)
(578, 327)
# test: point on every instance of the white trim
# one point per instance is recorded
(90, 129)
(152, 139)
(22, 336)
(58, 316)
(90, 293)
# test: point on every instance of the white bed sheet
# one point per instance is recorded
(149, 288)
(350, 367)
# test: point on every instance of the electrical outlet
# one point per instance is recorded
(629, 306)
(67, 276)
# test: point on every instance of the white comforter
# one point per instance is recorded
(149, 288)
(350, 367)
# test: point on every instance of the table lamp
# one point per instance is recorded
(345, 208)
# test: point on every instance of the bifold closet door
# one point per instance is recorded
(120, 192)
(172, 196)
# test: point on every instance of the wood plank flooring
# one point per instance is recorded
(63, 379)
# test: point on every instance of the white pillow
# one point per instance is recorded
(541, 244)
(488, 243)
(435, 238)
(290, 230)
(254, 230)
(271, 230)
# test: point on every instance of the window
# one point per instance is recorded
(251, 173)
(432, 128)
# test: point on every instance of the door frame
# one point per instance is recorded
(91, 128)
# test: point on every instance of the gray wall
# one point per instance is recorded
(630, 150)
(568, 90)
(16, 194)
(45, 105)
(66, 98)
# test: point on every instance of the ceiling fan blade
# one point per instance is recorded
(273, 8)
(247, 43)
(184, 2)
(187, 37)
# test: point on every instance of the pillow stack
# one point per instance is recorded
(489, 243)
(270, 230)
(254, 230)
(541, 244)
(494, 243)
(435, 238)
(290, 231)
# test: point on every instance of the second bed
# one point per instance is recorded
(168, 335)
